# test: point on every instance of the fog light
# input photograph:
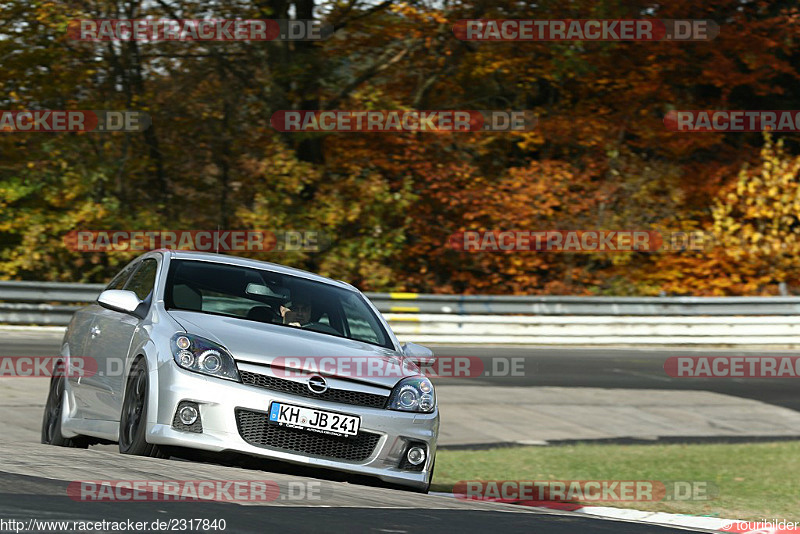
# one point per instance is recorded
(416, 455)
(188, 415)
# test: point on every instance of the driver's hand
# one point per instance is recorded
(292, 319)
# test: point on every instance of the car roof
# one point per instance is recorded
(255, 264)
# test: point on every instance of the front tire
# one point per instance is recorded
(133, 421)
(424, 490)
(430, 479)
(51, 421)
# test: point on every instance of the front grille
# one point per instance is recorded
(256, 430)
(300, 389)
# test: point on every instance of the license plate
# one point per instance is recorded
(333, 424)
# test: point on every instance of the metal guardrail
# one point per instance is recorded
(54, 294)
(43, 303)
(597, 330)
(48, 292)
(556, 305)
(506, 319)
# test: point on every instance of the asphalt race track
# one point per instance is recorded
(34, 477)
(363, 510)
(624, 368)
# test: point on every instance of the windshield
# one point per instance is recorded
(268, 297)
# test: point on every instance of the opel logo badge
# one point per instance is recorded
(317, 384)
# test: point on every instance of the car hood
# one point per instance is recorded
(262, 343)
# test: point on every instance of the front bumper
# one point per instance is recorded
(220, 399)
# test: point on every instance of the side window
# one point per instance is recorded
(118, 282)
(143, 281)
(361, 323)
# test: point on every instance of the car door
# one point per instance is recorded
(76, 340)
(80, 339)
(111, 338)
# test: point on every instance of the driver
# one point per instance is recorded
(296, 312)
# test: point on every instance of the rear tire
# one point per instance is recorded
(133, 420)
(51, 421)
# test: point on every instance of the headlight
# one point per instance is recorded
(414, 394)
(203, 356)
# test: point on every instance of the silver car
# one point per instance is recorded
(219, 353)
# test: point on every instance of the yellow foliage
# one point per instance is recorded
(758, 222)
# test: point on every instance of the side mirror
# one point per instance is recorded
(422, 356)
(121, 301)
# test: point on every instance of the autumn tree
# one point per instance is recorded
(600, 157)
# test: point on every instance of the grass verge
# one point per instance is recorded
(754, 481)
